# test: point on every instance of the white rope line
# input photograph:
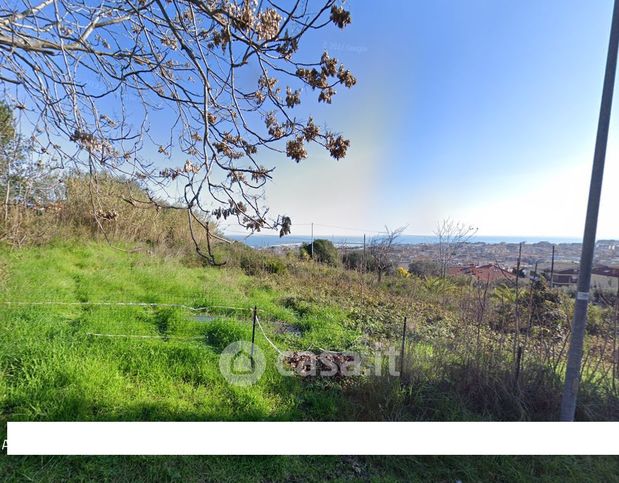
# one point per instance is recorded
(266, 337)
(148, 304)
(136, 304)
(129, 304)
(280, 352)
(127, 336)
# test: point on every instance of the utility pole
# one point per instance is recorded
(516, 311)
(574, 357)
(312, 243)
(363, 260)
(363, 265)
(552, 267)
(615, 351)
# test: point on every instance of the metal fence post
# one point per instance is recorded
(253, 335)
(402, 349)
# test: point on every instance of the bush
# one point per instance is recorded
(403, 273)
(323, 251)
(353, 260)
(424, 268)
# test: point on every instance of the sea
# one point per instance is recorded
(258, 240)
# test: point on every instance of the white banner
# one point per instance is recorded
(311, 438)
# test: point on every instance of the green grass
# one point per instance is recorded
(517, 469)
(53, 369)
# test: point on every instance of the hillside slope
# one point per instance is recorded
(71, 349)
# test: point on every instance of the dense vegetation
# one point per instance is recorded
(459, 364)
(474, 351)
(322, 251)
(100, 283)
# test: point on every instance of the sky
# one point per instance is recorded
(481, 111)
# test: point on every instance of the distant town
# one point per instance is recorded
(497, 262)
(506, 254)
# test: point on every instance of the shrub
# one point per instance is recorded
(424, 268)
(323, 251)
(403, 273)
(353, 260)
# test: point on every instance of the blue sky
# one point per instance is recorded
(483, 111)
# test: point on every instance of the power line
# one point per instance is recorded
(324, 225)
(361, 230)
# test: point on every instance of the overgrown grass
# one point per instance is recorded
(57, 370)
(517, 469)
(54, 368)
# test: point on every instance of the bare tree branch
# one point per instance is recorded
(381, 248)
(191, 93)
(452, 236)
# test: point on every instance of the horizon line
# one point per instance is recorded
(541, 238)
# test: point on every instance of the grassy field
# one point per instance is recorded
(52, 367)
(55, 370)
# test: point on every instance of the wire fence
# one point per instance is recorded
(248, 315)
(213, 311)
(193, 309)
(130, 304)
(267, 337)
(133, 336)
